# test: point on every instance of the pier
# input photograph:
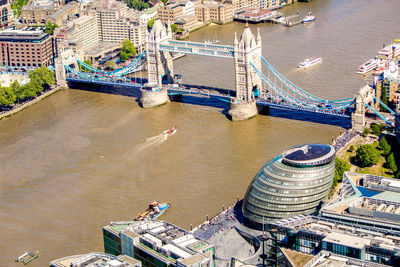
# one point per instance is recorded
(287, 21)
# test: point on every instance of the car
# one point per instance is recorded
(133, 81)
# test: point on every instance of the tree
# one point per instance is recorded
(377, 129)
(42, 77)
(7, 96)
(174, 27)
(136, 4)
(123, 56)
(50, 27)
(366, 131)
(164, 1)
(383, 144)
(150, 24)
(17, 6)
(367, 155)
(127, 50)
(383, 97)
(341, 166)
(351, 148)
(111, 64)
(392, 163)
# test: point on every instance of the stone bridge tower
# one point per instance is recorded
(365, 95)
(159, 62)
(66, 57)
(246, 50)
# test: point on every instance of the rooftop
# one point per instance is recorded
(347, 240)
(95, 259)
(309, 154)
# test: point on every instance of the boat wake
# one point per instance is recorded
(151, 142)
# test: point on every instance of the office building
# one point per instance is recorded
(296, 182)
(157, 243)
(211, 11)
(96, 259)
(30, 47)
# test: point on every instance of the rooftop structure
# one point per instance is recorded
(296, 182)
(96, 259)
(157, 242)
(310, 234)
(367, 199)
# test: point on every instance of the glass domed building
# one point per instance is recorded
(296, 182)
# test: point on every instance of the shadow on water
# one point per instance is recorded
(217, 103)
(107, 89)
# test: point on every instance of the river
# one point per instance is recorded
(80, 159)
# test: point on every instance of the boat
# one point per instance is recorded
(367, 66)
(309, 62)
(155, 210)
(170, 131)
(310, 17)
(27, 257)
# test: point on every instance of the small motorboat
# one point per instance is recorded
(27, 257)
(155, 210)
(309, 18)
(171, 131)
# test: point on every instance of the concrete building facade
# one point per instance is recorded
(211, 11)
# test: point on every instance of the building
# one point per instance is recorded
(149, 14)
(29, 47)
(211, 11)
(170, 12)
(63, 13)
(96, 259)
(242, 5)
(35, 12)
(157, 243)
(367, 200)
(309, 234)
(296, 182)
(397, 125)
(6, 13)
(117, 22)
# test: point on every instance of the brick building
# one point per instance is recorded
(30, 47)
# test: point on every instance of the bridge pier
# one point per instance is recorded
(153, 96)
(240, 111)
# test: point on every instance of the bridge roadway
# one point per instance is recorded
(193, 48)
(217, 93)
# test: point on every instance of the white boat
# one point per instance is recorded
(309, 62)
(367, 66)
(309, 18)
(171, 131)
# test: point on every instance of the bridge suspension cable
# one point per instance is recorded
(297, 90)
(119, 72)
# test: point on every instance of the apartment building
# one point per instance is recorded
(242, 5)
(211, 11)
(5, 12)
(37, 13)
(30, 47)
(63, 13)
(117, 22)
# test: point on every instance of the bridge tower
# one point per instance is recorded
(66, 57)
(365, 95)
(246, 50)
(159, 62)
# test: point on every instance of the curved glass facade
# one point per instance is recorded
(297, 182)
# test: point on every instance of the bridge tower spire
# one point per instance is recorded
(158, 63)
(246, 50)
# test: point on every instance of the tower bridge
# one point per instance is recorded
(254, 87)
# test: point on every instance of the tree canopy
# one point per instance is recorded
(40, 79)
(127, 50)
(50, 27)
(367, 155)
(111, 64)
(383, 144)
(17, 6)
(136, 4)
(341, 166)
(150, 24)
(392, 163)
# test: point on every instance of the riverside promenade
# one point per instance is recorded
(18, 107)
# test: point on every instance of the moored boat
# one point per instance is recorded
(367, 66)
(155, 210)
(309, 62)
(310, 17)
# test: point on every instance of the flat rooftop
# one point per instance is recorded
(346, 240)
(95, 259)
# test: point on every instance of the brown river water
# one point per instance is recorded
(79, 159)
